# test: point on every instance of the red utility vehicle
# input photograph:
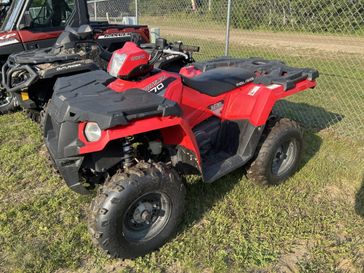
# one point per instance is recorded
(137, 130)
(36, 24)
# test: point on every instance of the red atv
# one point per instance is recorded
(137, 130)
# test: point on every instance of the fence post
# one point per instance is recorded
(95, 10)
(227, 42)
(136, 12)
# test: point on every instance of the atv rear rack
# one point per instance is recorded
(267, 72)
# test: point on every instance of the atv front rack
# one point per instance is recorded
(8, 70)
(75, 99)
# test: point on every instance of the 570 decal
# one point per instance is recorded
(157, 89)
(159, 86)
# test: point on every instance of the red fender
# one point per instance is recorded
(173, 129)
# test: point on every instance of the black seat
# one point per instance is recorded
(219, 80)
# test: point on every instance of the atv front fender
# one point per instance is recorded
(174, 131)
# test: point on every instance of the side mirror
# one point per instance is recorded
(26, 21)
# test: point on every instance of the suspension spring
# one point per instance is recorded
(128, 152)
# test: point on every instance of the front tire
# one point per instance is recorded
(8, 102)
(137, 211)
(280, 154)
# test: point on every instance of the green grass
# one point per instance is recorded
(231, 225)
(313, 223)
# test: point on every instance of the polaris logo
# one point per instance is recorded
(245, 82)
(159, 86)
(114, 35)
(137, 58)
(67, 67)
(151, 86)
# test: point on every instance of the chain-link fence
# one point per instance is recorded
(113, 11)
(322, 34)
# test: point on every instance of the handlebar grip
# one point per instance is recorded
(147, 46)
(189, 48)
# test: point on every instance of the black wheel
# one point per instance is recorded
(137, 211)
(279, 155)
(8, 103)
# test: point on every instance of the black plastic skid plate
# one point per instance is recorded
(85, 97)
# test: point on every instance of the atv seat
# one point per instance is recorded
(219, 80)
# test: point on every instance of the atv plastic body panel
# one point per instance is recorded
(219, 80)
(76, 100)
(212, 134)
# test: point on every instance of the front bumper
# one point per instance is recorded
(62, 147)
(69, 168)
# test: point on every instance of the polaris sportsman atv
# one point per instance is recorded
(137, 130)
(30, 75)
(36, 24)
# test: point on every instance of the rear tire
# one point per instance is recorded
(137, 211)
(279, 155)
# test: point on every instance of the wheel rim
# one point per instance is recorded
(284, 157)
(146, 217)
(5, 98)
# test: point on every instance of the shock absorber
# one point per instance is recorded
(128, 152)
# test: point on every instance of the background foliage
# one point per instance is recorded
(297, 15)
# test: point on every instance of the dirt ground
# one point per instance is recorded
(328, 43)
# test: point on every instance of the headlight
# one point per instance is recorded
(92, 132)
(117, 62)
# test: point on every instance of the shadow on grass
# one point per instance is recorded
(359, 199)
(312, 117)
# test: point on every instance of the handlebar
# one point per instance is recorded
(174, 52)
(185, 48)
(148, 46)
(177, 46)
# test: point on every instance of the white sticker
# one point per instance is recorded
(273, 86)
(254, 90)
(7, 36)
(8, 42)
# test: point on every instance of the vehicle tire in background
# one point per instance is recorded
(8, 102)
(279, 155)
(137, 211)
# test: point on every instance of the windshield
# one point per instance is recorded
(4, 6)
(12, 15)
